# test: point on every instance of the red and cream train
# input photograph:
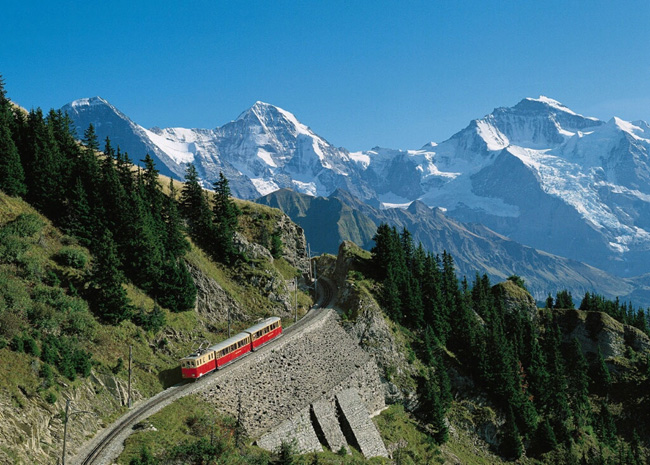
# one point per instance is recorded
(204, 361)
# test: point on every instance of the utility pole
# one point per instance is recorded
(228, 321)
(309, 254)
(315, 283)
(240, 423)
(130, 359)
(295, 288)
(68, 414)
(65, 428)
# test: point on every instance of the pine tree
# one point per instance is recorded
(79, 219)
(605, 425)
(578, 384)
(90, 139)
(549, 302)
(382, 250)
(196, 210)
(43, 167)
(108, 295)
(12, 175)
(563, 299)
(444, 385)
(600, 375)
(511, 445)
(553, 396)
(433, 408)
(390, 298)
(545, 440)
(226, 215)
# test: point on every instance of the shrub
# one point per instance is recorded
(47, 374)
(25, 225)
(31, 346)
(11, 248)
(153, 321)
(50, 397)
(276, 245)
(72, 257)
(118, 367)
(17, 344)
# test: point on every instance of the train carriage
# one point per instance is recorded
(264, 331)
(198, 364)
(214, 357)
(230, 349)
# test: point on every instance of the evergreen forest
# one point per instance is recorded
(557, 400)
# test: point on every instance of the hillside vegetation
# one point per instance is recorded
(96, 256)
(552, 385)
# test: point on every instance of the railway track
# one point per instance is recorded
(108, 444)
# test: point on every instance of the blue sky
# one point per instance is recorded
(359, 73)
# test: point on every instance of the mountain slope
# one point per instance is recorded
(536, 172)
(474, 247)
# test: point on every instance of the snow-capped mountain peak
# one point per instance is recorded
(537, 172)
(91, 101)
(272, 119)
(552, 103)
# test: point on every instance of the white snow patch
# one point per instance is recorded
(264, 186)
(180, 152)
(266, 157)
(306, 187)
(360, 158)
(494, 138)
(395, 205)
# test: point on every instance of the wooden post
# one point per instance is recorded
(130, 358)
(65, 429)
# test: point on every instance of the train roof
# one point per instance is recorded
(223, 344)
(218, 346)
(262, 324)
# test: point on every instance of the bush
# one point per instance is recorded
(276, 245)
(11, 249)
(50, 397)
(31, 346)
(118, 367)
(25, 225)
(153, 321)
(72, 257)
(17, 344)
(47, 374)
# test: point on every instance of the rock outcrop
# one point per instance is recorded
(367, 325)
(598, 330)
(32, 429)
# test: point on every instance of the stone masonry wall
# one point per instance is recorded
(277, 385)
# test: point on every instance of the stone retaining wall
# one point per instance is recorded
(277, 385)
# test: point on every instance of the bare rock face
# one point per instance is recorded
(212, 301)
(32, 429)
(516, 299)
(250, 249)
(294, 243)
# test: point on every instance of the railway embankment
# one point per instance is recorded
(272, 393)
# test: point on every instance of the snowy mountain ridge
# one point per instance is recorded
(537, 172)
